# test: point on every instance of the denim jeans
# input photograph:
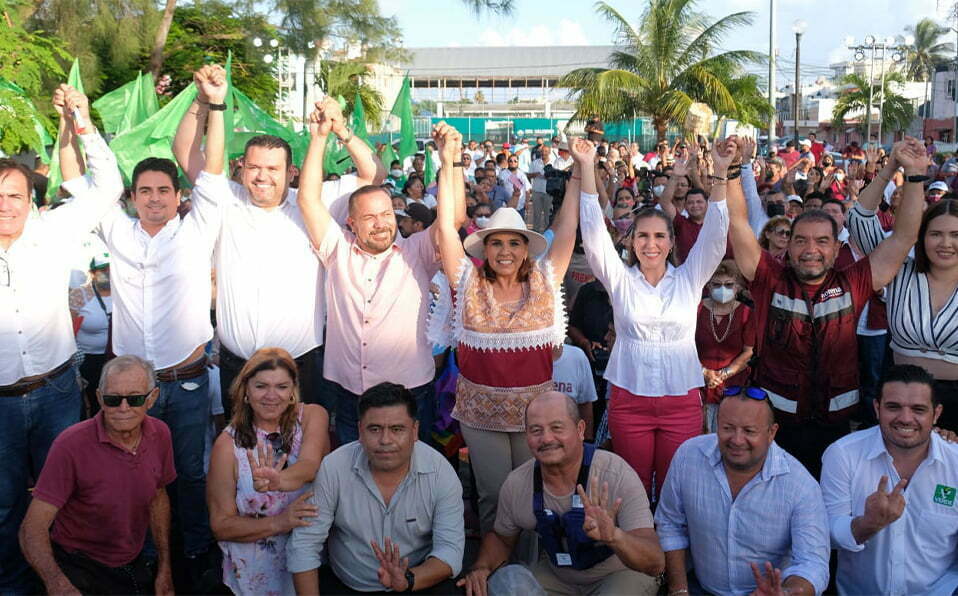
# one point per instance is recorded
(185, 408)
(28, 425)
(347, 412)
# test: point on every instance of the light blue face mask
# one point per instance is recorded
(722, 295)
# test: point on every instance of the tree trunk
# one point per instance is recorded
(159, 42)
(660, 128)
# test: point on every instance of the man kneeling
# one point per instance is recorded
(103, 484)
(391, 507)
(588, 507)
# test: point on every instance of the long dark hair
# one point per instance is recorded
(943, 207)
(242, 421)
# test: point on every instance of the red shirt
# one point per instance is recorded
(817, 150)
(103, 491)
(686, 233)
(735, 335)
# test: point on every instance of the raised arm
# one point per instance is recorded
(71, 162)
(871, 196)
(757, 218)
(709, 248)
(369, 169)
(745, 246)
(665, 201)
(188, 142)
(567, 220)
(446, 227)
(315, 213)
(211, 82)
(887, 259)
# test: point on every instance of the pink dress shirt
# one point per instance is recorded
(377, 306)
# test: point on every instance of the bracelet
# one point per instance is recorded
(457, 164)
(719, 178)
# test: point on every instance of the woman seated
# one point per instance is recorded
(259, 468)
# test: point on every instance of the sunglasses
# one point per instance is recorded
(783, 232)
(752, 392)
(275, 441)
(134, 401)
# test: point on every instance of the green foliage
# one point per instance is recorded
(424, 105)
(16, 123)
(928, 51)
(671, 60)
(897, 112)
(347, 78)
(207, 33)
(500, 7)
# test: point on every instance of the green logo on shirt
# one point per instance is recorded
(945, 495)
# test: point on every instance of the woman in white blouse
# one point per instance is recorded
(923, 298)
(654, 369)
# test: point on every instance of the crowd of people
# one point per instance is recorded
(689, 371)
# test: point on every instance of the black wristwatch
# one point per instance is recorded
(217, 107)
(410, 580)
(917, 178)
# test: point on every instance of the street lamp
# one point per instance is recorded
(898, 47)
(798, 27)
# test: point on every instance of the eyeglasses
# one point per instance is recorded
(752, 392)
(134, 401)
(783, 232)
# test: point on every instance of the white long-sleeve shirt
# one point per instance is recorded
(654, 352)
(915, 554)
(36, 333)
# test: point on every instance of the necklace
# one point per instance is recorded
(728, 327)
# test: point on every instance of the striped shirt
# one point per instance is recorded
(915, 331)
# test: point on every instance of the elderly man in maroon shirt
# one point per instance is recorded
(102, 486)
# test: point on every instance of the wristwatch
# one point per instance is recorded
(917, 178)
(410, 580)
(217, 107)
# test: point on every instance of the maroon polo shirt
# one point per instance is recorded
(103, 492)
(686, 233)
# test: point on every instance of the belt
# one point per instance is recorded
(183, 373)
(24, 387)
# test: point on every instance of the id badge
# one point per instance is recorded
(576, 501)
(563, 559)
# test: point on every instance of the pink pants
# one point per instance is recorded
(647, 431)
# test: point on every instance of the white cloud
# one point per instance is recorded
(565, 33)
(389, 8)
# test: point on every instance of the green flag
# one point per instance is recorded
(55, 176)
(359, 120)
(402, 109)
(388, 155)
(428, 171)
(154, 136)
(336, 160)
(112, 106)
(141, 103)
(44, 139)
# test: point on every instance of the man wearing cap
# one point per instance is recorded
(377, 286)
(417, 217)
(102, 488)
(936, 190)
(748, 514)
(39, 393)
(805, 150)
(794, 206)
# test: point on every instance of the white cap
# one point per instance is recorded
(795, 198)
(939, 185)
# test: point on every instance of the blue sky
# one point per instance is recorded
(574, 22)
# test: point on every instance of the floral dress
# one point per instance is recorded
(259, 568)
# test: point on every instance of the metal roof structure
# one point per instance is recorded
(510, 66)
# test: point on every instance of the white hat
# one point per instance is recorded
(795, 198)
(505, 219)
(939, 185)
(805, 142)
(100, 260)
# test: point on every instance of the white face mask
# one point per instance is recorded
(722, 295)
(658, 190)
(482, 221)
(839, 176)
(395, 173)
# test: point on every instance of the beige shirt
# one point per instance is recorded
(515, 508)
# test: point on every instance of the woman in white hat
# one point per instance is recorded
(654, 370)
(507, 315)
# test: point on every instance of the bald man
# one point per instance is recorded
(591, 496)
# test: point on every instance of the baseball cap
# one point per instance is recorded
(939, 185)
(805, 143)
(795, 198)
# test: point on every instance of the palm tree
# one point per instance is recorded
(896, 110)
(927, 52)
(345, 79)
(671, 60)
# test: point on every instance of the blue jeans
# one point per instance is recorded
(347, 412)
(186, 411)
(28, 425)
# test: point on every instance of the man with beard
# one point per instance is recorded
(512, 179)
(269, 282)
(377, 286)
(808, 355)
(734, 501)
(902, 540)
(588, 507)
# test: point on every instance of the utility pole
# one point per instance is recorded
(771, 72)
(798, 27)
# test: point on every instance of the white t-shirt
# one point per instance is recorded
(572, 375)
